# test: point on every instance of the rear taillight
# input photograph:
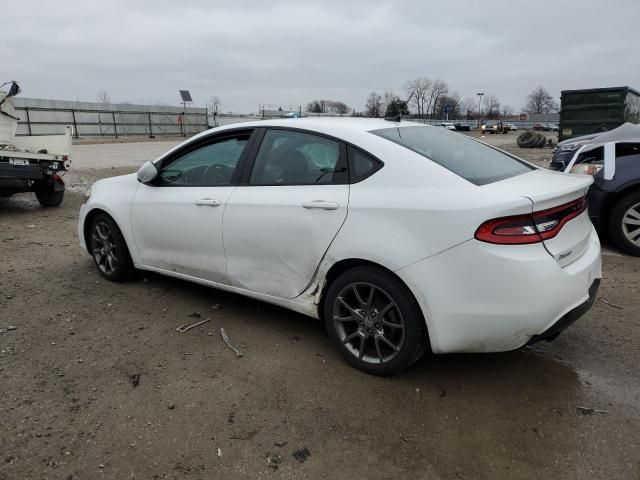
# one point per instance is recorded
(532, 228)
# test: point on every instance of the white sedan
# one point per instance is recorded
(401, 237)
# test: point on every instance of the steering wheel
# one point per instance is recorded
(217, 174)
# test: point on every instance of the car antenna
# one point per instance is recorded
(397, 118)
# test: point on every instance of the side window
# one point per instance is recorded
(295, 158)
(209, 165)
(627, 149)
(361, 165)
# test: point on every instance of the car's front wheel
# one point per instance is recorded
(624, 224)
(374, 321)
(109, 249)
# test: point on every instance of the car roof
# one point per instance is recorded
(347, 128)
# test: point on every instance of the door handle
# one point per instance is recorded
(208, 202)
(321, 204)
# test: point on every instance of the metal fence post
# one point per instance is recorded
(26, 109)
(115, 126)
(76, 134)
(150, 127)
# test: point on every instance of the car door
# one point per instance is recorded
(281, 220)
(177, 220)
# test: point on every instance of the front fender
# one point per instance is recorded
(112, 196)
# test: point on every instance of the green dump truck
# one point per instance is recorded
(597, 110)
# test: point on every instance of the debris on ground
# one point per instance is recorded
(219, 452)
(280, 444)
(184, 328)
(589, 411)
(610, 304)
(225, 337)
(11, 327)
(273, 460)
(302, 454)
(135, 379)
(195, 315)
(216, 306)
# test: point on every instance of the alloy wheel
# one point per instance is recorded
(631, 224)
(369, 323)
(104, 248)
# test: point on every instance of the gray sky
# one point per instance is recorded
(290, 52)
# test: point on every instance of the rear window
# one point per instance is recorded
(473, 161)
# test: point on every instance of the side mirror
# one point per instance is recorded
(147, 172)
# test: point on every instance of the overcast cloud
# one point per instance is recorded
(289, 52)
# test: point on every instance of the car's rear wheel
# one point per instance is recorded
(374, 321)
(624, 224)
(109, 249)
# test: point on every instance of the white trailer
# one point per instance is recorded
(31, 163)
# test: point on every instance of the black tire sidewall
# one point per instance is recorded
(415, 328)
(615, 224)
(48, 197)
(124, 265)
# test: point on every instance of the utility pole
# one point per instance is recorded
(480, 94)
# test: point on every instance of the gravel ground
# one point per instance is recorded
(95, 382)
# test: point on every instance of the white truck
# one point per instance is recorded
(33, 163)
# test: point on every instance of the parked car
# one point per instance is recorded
(490, 127)
(614, 200)
(552, 127)
(541, 127)
(448, 125)
(462, 128)
(31, 163)
(401, 237)
(495, 127)
(512, 127)
(564, 151)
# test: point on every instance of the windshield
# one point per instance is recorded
(474, 161)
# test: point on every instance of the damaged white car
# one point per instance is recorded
(401, 237)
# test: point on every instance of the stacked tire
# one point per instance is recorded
(530, 139)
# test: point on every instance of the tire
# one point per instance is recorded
(541, 141)
(626, 236)
(48, 197)
(527, 139)
(350, 312)
(109, 249)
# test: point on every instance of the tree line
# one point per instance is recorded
(428, 98)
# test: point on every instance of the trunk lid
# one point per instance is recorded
(546, 190)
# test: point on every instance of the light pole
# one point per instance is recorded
(480, 94)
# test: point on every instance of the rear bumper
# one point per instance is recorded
(20, 172)
(479, 297)
(554, 330)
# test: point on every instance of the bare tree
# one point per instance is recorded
(373, 107)
(417, 92)
(103, 97)
(438, 89)
(340, 108)
(507, 111)
(541, 101)
(491, 106)
(468, 107)
(449, 105)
